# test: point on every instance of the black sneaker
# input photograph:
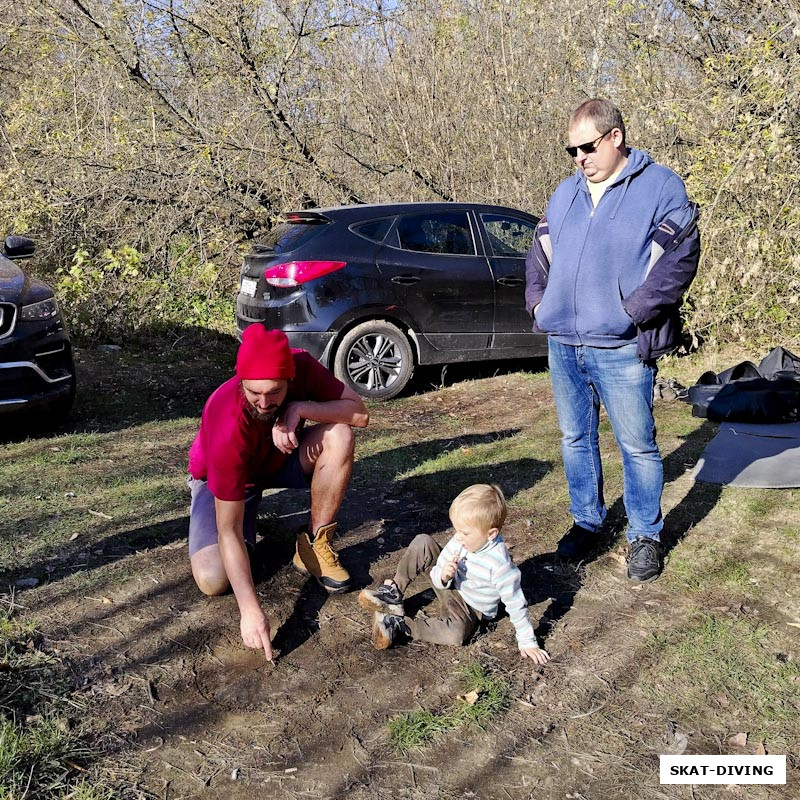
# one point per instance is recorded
(644, 559)
(576, 543)
(387, 629)
(386, 599)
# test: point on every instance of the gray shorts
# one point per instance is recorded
(203, 514)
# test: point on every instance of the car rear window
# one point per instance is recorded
(289, 236)
(448, 233)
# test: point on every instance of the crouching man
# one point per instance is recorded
(253, 437)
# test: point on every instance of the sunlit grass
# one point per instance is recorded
(39, 751)
(418, 728)
(717, 655)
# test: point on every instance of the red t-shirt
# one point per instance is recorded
(231, 449)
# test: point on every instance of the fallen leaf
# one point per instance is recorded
(107, 601)
(739, 740)
(73, 537)
(620, 559)
(470, 697)
(794, 624)
(760, 749)
(99, 514)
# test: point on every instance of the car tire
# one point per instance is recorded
(375, 360)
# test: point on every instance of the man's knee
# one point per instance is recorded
(211, 584)
(208, 572)
(339, 438)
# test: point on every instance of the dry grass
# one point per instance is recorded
(706, 652)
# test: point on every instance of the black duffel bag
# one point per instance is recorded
(769, 393)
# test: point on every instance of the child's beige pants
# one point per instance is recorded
(457, 620)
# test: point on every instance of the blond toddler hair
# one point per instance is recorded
(482, 505)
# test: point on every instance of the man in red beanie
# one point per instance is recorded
(252, 437)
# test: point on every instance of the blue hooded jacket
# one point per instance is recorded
(614, 274)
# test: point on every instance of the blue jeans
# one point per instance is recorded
(582, 378)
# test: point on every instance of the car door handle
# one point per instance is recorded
(406, 280)
(510, 281)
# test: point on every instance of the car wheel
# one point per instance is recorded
(375, 360)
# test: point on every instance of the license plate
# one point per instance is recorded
(249, 286)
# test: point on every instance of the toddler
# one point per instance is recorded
(470, 575)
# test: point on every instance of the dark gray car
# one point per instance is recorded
(373, 290)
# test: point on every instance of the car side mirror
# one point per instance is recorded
(18, 247)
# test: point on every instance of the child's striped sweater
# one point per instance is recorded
(485, 578)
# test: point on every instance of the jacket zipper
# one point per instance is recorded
(580, 263)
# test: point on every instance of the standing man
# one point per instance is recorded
(252, 437)
(612, 258)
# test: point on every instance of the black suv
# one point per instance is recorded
(36, 367)
(372, 290)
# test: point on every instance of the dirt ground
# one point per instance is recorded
(182, 710)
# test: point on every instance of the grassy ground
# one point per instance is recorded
(114, 673)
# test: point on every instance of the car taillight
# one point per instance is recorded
(293, 273)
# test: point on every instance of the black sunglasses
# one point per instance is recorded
(587, 148)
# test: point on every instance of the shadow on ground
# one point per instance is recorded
(437, 376)
(545, 577)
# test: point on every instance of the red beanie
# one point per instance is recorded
(264, 355)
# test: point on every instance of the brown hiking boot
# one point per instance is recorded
(317, 557)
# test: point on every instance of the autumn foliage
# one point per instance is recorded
(145, 143)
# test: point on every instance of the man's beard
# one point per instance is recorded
(267, 417)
